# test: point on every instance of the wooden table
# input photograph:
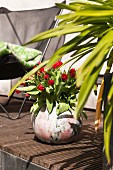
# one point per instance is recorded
(17, 140)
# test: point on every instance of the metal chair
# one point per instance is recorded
(18, 27)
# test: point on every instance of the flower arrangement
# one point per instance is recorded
(51, 88)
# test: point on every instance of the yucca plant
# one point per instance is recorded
(93, 23)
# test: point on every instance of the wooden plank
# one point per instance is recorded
(17, 138)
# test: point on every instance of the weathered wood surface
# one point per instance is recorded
(17, 138)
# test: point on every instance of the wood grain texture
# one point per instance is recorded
(17, 138)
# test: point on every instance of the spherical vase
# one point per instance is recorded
(53, 128)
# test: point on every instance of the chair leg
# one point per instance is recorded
(8, 114)
(7, 102)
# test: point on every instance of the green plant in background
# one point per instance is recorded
(93, 23)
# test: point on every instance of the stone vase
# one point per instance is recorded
(52, 128)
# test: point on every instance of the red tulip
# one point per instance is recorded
(46, 76)
(17, 91)
(27, 95)
(40, 87)
(64, 77)
(57, 64)
(51, 82)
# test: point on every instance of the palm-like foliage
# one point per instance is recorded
(93, 21)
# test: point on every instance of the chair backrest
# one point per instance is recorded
(18, 27)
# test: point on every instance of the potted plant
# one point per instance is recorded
(93, 23)
(55, 94)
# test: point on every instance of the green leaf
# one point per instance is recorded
(110, 91)
(49, 102)
(34, 92)
(49, 89)
(66, 48)
(59, 31)
(27, 88)
(86, 2)
(95, 89)
(68, 7)
(84, 115)
(37, 105)
(35, 108)
(68, 17)
(57, 78)
(62, 107)
(86, 88)
(95, 13)
(97, 56)
(108, 123)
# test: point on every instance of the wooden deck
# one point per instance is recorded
(17, 138)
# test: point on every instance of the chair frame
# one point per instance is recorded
(53, 25)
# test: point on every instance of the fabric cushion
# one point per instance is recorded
(28, 57)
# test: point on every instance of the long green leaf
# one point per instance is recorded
(107, 131)
(89, 81)
(105, 41)
(27, 88)
(86, 88)
(87, 2)
(110, 92)
(108, 121)
(68, 47)
(96, 57)
(68, 7)
(58, 32)
(94, 13)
